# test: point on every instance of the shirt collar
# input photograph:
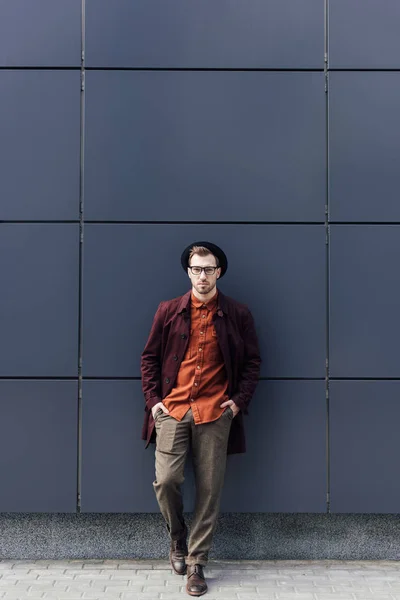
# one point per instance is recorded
(210, 304)
(184, 304)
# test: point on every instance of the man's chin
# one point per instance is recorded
(204, 290)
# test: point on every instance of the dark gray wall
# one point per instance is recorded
(128, 130)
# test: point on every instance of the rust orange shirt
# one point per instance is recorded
(201, 383)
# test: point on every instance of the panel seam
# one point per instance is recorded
(327, 251)
(81, 235)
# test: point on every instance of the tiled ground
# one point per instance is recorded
(230, 580)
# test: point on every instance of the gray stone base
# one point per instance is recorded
(257, 536)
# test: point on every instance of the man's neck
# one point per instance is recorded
(204, 297)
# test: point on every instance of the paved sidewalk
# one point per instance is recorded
(228, 580)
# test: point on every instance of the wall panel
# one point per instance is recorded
(204, 146)
(364, 34)
(38, 446)
(43, 33)
(39, 264)
(364, 146)
(365, 445)
(207, 34)
(40, 147)
(364, 301)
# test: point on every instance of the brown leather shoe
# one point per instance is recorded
(177, 555)
(196, 583)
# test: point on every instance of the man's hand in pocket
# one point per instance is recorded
(157, 406)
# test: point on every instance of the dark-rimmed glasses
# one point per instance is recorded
(207, 270)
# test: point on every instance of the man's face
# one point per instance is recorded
(203, 283)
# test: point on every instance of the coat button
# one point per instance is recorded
(175, 357)
(183, 336)
(167, 380)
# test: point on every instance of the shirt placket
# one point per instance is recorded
(199, 358)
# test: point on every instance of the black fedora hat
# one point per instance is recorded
(213, 248)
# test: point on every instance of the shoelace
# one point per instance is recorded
(197, 570)
(179, 546)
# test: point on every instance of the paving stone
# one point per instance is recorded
(371, 595)
(124, 574)
(138, 581)
(141, 596)
(285, 596)
(61, 595)
(159, 589)
(101, 596)
(211, 596)
(144, 566)
(82, 587)
(156, 565)
(24, 594)
(254, 596)
(237, 590)
(333, 596)
(81, 575)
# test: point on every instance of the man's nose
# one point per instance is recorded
(202, 275)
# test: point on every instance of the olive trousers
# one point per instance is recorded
(208, 443)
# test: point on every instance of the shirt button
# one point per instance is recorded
(196, 384)
(198, 366)
(200, 349)
(191, 399)
(201, 332)
(183, 336)
(175, 357)
(167, 380)
(203, 316)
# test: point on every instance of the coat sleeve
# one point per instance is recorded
(151, 360)
(251, 365)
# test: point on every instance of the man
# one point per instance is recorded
(200, 368)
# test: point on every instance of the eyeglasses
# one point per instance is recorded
(207, 270)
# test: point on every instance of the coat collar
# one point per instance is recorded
(184, 304)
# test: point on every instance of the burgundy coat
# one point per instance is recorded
(166, 347)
